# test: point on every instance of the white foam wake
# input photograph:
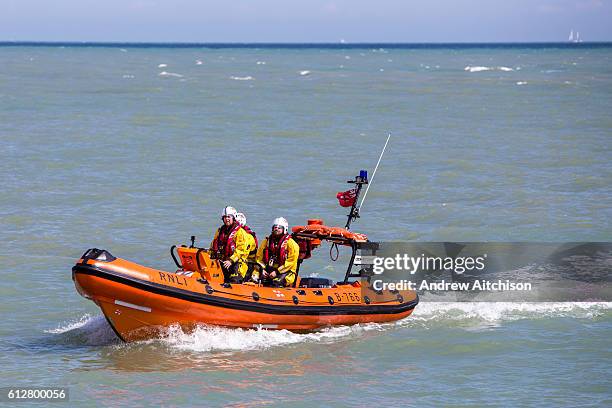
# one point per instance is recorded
(96, 331)
(427, 314)
(212, 338)
(497, 312)
(71, 325)
(89, 330)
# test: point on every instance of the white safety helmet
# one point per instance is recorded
(228, 211)
(281, 222)
(241, 218)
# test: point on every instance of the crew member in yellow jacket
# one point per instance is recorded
(230, 246)
(278, 256)
(251, 243)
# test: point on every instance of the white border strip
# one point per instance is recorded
(133, 306)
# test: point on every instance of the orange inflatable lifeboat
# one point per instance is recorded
(139, 302)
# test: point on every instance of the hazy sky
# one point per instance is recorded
(304, 21)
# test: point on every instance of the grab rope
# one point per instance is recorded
(334, 246)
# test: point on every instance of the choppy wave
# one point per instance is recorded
(476, 69)
(95, 330)
(471, 68)
(170, 74)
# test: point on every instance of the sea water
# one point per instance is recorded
(134, 149)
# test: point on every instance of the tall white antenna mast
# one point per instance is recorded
(374, 174)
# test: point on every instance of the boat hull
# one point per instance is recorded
(141, 303)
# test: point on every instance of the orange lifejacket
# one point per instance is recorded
(225, 242)
(276, 250)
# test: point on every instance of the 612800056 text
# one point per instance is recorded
(16, 394)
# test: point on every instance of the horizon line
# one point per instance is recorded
(337, 44)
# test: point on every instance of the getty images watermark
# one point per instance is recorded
(476, 271)
(459, 265)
